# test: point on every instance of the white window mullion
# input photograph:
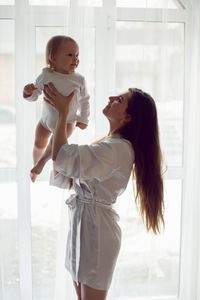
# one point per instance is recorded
(100, 55)
(184, 289)
(23, 68)
(190, 207)
(110, 18)
(151, 14)
(105, 60)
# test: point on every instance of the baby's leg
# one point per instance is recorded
(37, 169)
(69, 130)
(47, 155)
(41, 140)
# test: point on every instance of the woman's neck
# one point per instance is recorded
(113, 128)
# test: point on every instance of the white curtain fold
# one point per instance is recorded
(190, 275)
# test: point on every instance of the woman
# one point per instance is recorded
(100, 173)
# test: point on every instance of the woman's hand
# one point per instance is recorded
(56, 100)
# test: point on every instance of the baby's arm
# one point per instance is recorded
(32, 91)
(84, 109)
(81, 125)
(28, 90)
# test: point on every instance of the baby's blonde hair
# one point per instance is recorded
(53, 45)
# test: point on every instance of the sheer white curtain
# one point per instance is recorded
(150, 44)
(190, 275)
(76, 19)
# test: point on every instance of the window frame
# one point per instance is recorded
(105, 18)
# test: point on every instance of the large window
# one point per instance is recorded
(126, 44)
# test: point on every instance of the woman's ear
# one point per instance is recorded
(127, 118)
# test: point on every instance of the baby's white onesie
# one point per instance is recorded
(65, 83)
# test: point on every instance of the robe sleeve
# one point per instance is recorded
(87, 161)
(59, 180)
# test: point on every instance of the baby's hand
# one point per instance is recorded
(81, 125)
(28, 90)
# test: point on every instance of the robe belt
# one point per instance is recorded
(74, 198)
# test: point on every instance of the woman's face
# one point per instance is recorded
(115, 111)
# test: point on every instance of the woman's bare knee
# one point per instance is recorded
(88, 293)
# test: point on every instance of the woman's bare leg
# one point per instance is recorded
(47, 155)
(41, 140)
(78, 289)
(88, 293)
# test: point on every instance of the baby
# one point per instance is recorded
(62, 58)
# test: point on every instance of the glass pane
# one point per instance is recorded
(150, 56)
(7, 2)
(148, 265)
(9, 254)
(91, 3)
(45, 213)
(7, 103)
(86, 67)
(48, 2)
(172, 4)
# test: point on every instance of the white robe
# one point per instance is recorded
(100, 174)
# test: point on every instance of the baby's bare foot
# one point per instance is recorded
(33, 176)
(37, 169)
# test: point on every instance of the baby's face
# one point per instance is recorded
(66, 59)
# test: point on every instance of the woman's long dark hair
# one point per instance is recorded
(142, 131)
